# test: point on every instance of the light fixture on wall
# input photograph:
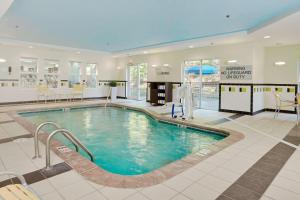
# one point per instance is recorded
(267, 37)
(2, 60)
(280, 63)
(232, 61)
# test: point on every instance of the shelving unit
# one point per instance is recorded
(160, 93)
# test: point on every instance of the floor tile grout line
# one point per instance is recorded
(278, 186)
(37, 171)
(265, 134)
(192, 183)
(260, 160)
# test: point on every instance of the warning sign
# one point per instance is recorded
(236, 72)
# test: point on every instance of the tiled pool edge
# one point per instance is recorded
(97, 175)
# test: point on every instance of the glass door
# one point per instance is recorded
(204, 77)
(137, 81)
(210, 84)
(192, 75)
(142, 91)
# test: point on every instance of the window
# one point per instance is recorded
(29, 70)
(75, 73)
(91, 75)
(51, 73)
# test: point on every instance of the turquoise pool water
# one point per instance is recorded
(127, 142)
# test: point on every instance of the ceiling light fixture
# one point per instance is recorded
(2, 60)
(145, 52)
(30, 47)
(154, 65)
(232, 61)
(280, 63)
(166, 65)
(267, 37)
(191, 46)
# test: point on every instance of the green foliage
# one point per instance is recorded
(113, 84)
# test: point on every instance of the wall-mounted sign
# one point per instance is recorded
(243, 72)
(163, 70)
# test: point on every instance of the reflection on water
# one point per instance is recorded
(128, 142)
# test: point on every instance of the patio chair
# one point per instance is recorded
(43, 92)
(281, 103)
(77, 91)
(17, 191)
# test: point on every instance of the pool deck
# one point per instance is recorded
(255, 166)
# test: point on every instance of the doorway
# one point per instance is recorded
(137, 81)
(204, 77)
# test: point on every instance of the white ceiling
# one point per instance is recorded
(4, 6)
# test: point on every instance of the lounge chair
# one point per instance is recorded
(17, 191)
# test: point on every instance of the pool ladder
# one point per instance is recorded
(66, 133)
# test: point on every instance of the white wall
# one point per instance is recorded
(241, 52)
(286, 74)
(12, 54)
(105, 66)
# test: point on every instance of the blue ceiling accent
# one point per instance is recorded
(118, 25)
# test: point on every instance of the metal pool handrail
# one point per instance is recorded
(71, 137)
(36, 135)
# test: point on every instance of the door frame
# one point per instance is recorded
(183, 65)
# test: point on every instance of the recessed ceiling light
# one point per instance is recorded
(232, 61)
(191, 46)
(2, 60)
(267, 37)
(280, 63)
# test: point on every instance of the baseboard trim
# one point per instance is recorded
(51, 100)
(273, 110)
(281, 111)
(235, 111)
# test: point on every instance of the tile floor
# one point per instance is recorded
(206, 181)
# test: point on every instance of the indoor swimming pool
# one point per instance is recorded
(125, 141)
